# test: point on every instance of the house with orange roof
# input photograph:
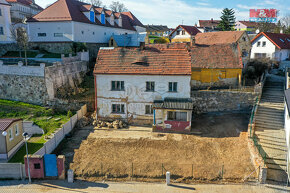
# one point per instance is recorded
(22, 9)
(145, 86)
(183, 33)
(275, 46)
(240, 38)
(67, 21)
(10, 137)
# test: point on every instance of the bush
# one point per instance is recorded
(69, 114)
(257, 67)
(79, 47)
(161, 41)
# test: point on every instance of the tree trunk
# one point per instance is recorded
(25, 53)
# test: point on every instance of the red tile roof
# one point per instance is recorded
(25, 2)
(216, 56)
(5, 123)
(72, 10)
(156, 59)
(221, 37)
(192, 30)
(209, 23)
(282, 41)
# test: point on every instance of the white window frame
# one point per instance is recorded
(150, 110)
(16, 129)
(10, 134)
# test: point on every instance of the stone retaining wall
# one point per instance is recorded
(215, 101)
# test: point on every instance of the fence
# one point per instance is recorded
(12, 171)
(156, 171)
(52, 143)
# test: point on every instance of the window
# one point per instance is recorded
(16, 129)
(150, 86)
(118, 86)
(41, 34)
(183, 32)
(281, 40)
(0, 12)
(244, 53)
(10, 134)
(260, 55)
(263, 44)
(83, 32)
(148, 110)
(244, 39)
(178, 33)
(172, 87)
(103, 20)
(258, 44)
(118, 108)
(176, 116)
(92, 16)
(37, 166)
(1, 31)
(58, 34)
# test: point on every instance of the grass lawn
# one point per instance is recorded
(45, 118)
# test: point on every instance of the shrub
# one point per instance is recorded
(69, 114)
(161, 41)
(257, 67)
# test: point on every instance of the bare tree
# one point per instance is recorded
(97, 3)
(285, 22)
(117, 6)
(21, 37)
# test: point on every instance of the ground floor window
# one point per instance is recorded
(148, 110)
(176, 116)
(118, 108)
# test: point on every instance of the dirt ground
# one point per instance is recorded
(220, 151)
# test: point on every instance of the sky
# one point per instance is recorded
(175, 12)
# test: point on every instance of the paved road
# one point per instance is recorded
(88, 187)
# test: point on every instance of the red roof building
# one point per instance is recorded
(72, 20)
(209, 23)
(183, 33)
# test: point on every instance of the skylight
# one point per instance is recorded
(282, 40)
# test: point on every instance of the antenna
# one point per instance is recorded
(182, 22)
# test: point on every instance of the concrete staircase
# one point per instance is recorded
(269, 129)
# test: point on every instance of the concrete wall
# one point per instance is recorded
(21, 70)
(215, 101)
(135, 97)
(12, 171)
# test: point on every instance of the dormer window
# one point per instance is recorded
(92, 16)
(103, 19)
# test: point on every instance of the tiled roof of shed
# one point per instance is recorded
(5, 123)
(157, 59)
(216, 56)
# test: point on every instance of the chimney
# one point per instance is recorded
(192, 41)
(211, 20)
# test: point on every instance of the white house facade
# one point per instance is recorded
(80, 22)
(5, 22)
(128, 87)
(271, 45)
(22, 9)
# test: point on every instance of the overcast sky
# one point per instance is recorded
(175, 12)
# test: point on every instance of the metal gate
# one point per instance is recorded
(50, 165)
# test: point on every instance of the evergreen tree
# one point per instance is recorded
(227, 20)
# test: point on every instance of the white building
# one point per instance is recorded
(271, 45)
(183, 33)
(138, 86)
(74, 21)
(5, 22)
(22, 9)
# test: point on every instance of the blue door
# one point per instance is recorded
(50, 165)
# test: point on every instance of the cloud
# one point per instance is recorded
(246, 6)
(203, 4)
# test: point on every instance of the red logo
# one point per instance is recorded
(263, 13)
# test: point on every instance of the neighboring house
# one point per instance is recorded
(22, 9)
(208, 25)
(138, 85)
(248, 26)
(156, 30)
(75, 21)
(271, 45)
(240, 38)
(216, 66)
(5, 22)
(127, 40)
(183, 33)
(13, 140)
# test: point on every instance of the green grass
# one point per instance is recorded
(39, 115)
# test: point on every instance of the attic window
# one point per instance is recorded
(282, 40)
(141, 61)
(288, 39)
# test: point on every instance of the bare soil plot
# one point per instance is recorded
(118, 154)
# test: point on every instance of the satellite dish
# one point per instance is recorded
(4, 133)
(257, 31)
